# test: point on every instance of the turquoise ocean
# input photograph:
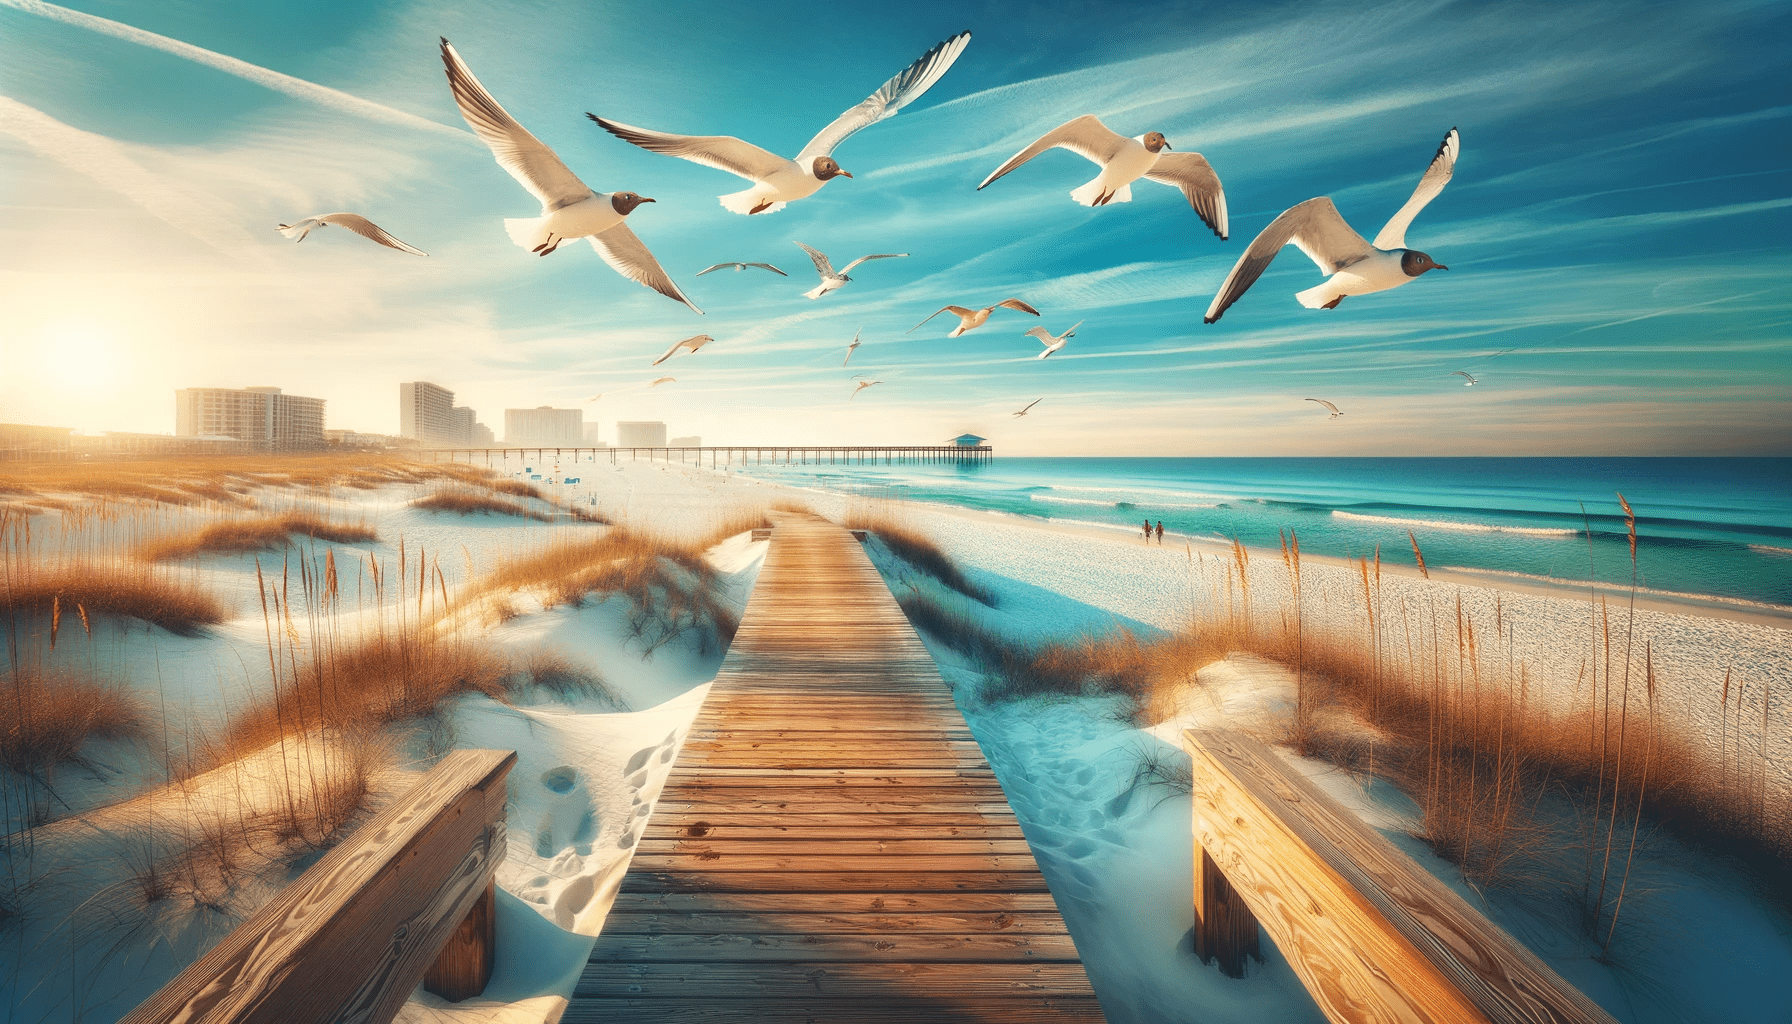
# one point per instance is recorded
(1707, 528)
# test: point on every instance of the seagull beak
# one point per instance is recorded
(1167, 144)
(644, 199)
(846, 174)
(1439, 266)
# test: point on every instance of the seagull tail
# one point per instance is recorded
(817, 292)
(529, 232)
(295, 232)
(1093, 193)
(750, 201)
(1317, 296)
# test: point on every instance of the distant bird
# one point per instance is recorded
(851, 347)
(738, 267)
(862, 385)
(569, 208)
(1471, 378)
(1123, 161)
(830, 279)
(662, 380)
(971, 319)
(777, 181)
(691, 343)
(1051, 343)
(354, 222)
(1355, 266)
(1029, 405)
(1334, 409)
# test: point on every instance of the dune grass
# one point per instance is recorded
(262, 533)
(101, 589)
(918, 550)
(466, 501)
(47, 717)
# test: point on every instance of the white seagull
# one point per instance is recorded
(691, 343)
(832, 279)
(851, 347)
(1124, 161)
(1029, 405)
(662, 380)
(1471, 378)
(569, 208)
(862, 385)
(738, 267)
(1355, 267)
(777, 181)
(1334, 409)
(354, 222)
(1053, 343)
(971, 319)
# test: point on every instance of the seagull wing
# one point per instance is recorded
(1029, 405)
(298, 229)
(368, 229)
(1328, 405)
(1315, 226)
(718, 266)
(1044, 336)
(1085, 136)
(723, 152)
(527, 158)
(958, 311)
(822, 266)
(623, 250)
(669, 353)
(1393, 233)
(768, 266)
(879, 256)
(1016, 304)
(1191, 173)
(905, 88)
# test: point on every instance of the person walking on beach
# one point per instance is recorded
(1160, 531)
(1147, 531)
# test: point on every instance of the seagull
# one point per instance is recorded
(862, 385)
(1471, 378)
(691, 343)
(1029, 405)
(777, 181)
(1123, 161)
(569, 208)
(971, 319)
(354, 222)
(1053, 344)
(738, 267)
(1355, 267)
(1335, 413)
(662, 380)
(830, 279)
(854, 345)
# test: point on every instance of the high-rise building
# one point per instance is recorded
(464, 420)
(692, 441)
(262, 415)
(426, 413)
(640, 434)
(591, 434)
(544, 426)
(482, 436)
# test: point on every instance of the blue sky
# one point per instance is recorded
(1619, 227)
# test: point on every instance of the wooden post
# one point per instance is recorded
(465, 963)
(1224, 928)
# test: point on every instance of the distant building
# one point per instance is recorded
(544, 427)
(357, 439)
(482, 436)
(260, 415)
(464, 420)
(686, 442)
(640, 434)
(968, 440)
(426, 413)
(591, 435)
(21, 435)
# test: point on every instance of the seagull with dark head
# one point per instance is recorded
(831, 278)
(776, 180)
(1354, 266)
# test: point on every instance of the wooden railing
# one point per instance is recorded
(1372, 935)
(409, 892)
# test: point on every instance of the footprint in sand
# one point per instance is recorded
(569, 814)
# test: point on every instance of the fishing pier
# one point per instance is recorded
(732, 455)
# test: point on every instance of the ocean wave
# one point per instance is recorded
(1444, 524)
(1132, 493)
(1104, 503)
(1769, 549)
(1571, 584)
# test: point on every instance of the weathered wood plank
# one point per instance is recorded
(892, 1008)
(873, 981)
(734, 845)
(843, 830)
(350, 938)
(837, 902)
(1372, 934)
(876, 947)
(725, 858)
(880, 881)
(865, 922)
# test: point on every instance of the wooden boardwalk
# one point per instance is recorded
(831, 845)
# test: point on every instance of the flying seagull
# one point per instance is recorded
(1334, 409)
(1124, 161)
(569, 208)
(971, 319)
(1355, 267)
(1029, 405)
(354, 222)
(831, 279)
(849, 348)
(777, 181)
(662, 380)
(738, 267)
(862, 385)
(1051, 343)
(1471, 378)
(691, 343)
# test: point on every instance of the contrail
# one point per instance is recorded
(295, 87)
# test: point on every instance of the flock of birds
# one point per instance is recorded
(570, 209)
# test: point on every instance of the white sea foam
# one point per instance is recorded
(1769, 549)
(1132, 493)
(1115, 502)
(1622, 588)
(1444, 524)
